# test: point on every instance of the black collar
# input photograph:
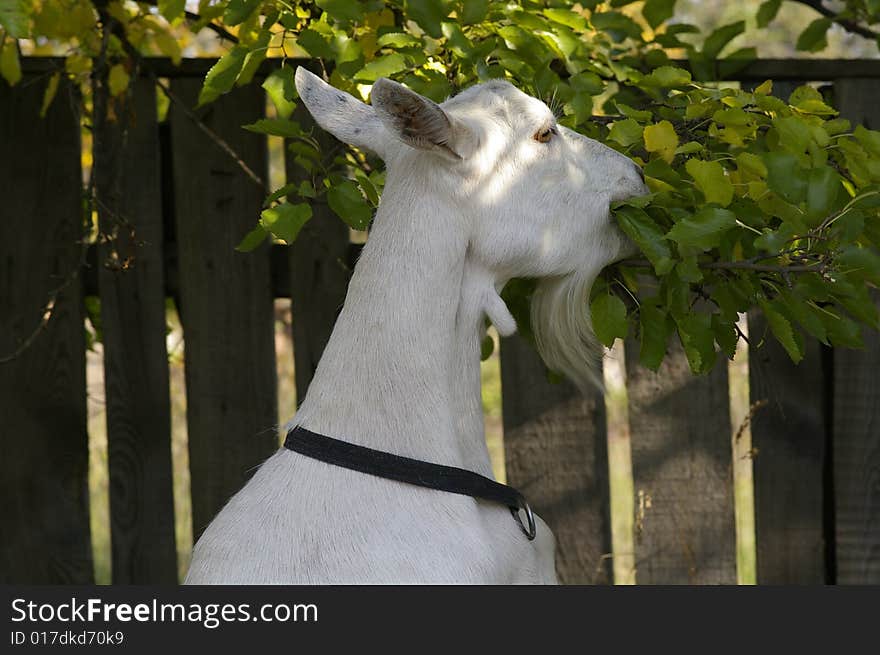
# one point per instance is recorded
(412, 471)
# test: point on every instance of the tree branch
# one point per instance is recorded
(219, 30)
(743, 265)
(848, 25)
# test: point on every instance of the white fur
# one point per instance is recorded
(471, 200)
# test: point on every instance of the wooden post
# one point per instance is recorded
(226, 296)
(682, 472)
(135, 360)
(319, 273)
(555, 448)
(857, 408)
(44, 465)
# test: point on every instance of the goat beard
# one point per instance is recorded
(563, 329)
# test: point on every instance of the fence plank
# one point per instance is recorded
(555, 448)
(789, 437)
(135, 359)
(682, 472)
(44, 466)
(857, 409)
(226, 297)
(319, 273)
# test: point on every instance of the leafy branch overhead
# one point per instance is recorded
(757, 202)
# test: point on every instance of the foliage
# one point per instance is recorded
(757, 202)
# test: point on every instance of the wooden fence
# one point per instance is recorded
(817, 468)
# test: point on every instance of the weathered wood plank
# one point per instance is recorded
(789, 438)
(319, 274)
(857, 409)
(226, 297)
(135, 359)
(556, 453)
(44, 466)
(682, 472)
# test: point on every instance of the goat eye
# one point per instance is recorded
(544, 135)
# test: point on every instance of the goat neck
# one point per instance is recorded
(401, 371)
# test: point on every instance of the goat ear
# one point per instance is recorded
(345, 117)
(418, 121)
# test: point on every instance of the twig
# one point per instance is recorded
(208, 131)
(753, 409)
(119, 32)
(49, 307)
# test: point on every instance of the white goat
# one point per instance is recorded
(480, 189)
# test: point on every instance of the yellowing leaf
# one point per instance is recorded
(765, 88)
(662, 139)
(710, 179)
(49, 94)
(118, 80)
(10, 68)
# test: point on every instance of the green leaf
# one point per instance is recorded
(647, 235)
(286, 220)
(726, 335)
(345, 11)
(824, 189)
(863, 263)
(221, 78)
(698, 340)
(252, 239)
(781, 328)
(715, 42)
(656, 327)
(703, 229)
(346, 201)
(711, 181)
(870, 139)
(767, 12)
(428, 14)
(626, 132)
(10, 67)
(280, 192)
(842, 331)
(474, 11)
(280, 88)
(15, 17)
(609, 318)
(315, 44)
(784, 176)
(172, 9)
(662, 139)
(275, 127)
(794, 133)
(667, 77)
(259, 49)
(805, 314)
(238, 11)
(398, 40)
(814, 37)
(381, 67)
(657, 11)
